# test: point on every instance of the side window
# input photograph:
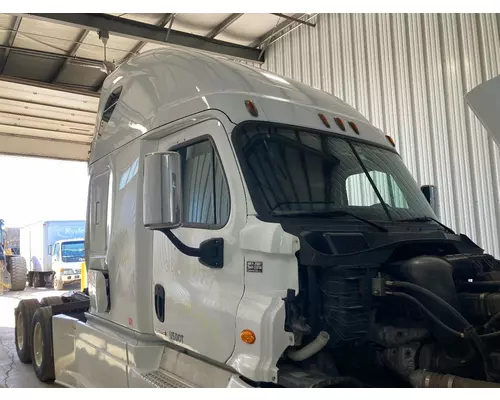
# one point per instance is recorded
(360, 192)
(205, 188)
(56, 252)
(98, 203)
(110, 106)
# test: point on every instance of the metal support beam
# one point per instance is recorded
(167, 18)
(223, 25)
(275, 31)
(87, 62)
(83, 62)
(10, 42)
(291, 18)
(161, 23)
(72, 53)
(275, 38)
(150, 33)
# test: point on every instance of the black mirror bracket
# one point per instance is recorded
(210, 253)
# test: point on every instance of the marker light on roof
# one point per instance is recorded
(251, 108)
(339, 123)
(390, 140)
(354, 127)
(324, 120)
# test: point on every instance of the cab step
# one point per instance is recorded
(164, 379)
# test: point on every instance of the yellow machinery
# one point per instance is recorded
(13, 269)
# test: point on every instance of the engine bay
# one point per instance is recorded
(411, 313)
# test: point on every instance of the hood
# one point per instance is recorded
(484, 101)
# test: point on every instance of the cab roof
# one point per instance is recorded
(157, 87)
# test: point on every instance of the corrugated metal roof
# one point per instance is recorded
(64, 63)
(37, 48)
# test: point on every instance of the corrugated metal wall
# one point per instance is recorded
(408, 74)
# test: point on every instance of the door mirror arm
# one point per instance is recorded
(162, 206)
(210, 253)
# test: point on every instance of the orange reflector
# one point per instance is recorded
(340, 123)
(252, 109)
(247, 336)
(324, 120)
(391, 140)
(354, 127)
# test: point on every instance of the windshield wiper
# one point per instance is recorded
(427, 219)
(337, 213)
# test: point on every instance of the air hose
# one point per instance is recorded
(469, 331)
(309, 349)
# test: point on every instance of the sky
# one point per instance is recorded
(35, 189)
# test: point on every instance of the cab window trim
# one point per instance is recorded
(216, 154)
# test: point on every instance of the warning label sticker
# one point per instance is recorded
(254, 266)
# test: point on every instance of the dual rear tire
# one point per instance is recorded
(43, 347)
(33, 335)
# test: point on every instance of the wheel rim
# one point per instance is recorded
(20, 331)
(38, 344)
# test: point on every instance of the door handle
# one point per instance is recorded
(160, 302)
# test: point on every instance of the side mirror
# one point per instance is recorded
(50, 250)
(162, 194)
(431, 194)
(162, 207)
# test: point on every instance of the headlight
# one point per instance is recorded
(66, 271)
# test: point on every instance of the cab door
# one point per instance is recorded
(194, 305)
(56, 256)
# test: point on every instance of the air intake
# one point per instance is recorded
(346, 243)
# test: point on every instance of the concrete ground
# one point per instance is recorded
(14, 373)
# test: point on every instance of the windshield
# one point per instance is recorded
(73, 251)
(297, 171)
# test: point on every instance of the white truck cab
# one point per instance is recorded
(67, 257)
(246, 230)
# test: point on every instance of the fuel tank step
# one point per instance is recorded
(163, 379)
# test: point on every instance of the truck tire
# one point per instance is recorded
(18, 272)
(42, 352)
(22, 332)
(58, 283)
(51, 301)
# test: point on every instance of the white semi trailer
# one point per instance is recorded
(246, 230)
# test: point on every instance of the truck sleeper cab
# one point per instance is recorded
(246, 230)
